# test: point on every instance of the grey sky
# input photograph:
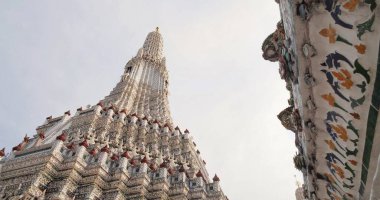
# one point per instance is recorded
(60, 55)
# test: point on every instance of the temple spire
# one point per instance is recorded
(143, 88)
(128, 135)
(153, 45)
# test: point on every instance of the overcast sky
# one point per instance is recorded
(60, 55)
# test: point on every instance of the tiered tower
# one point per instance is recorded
(125, 147)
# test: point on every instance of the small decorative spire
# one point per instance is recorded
(199, 174)
(157, 29)
(2, 152)
(68, 113)
(126, 155)
(186, 131)
(112, 107)
(171, 171)
(26, 139)
(181, 169)
(132, 162)
(144, 160)
(84, 143)
(41, 135)
(71, 146)
(114, 157)
(163, 165)
(22, 144)
(61, 137)
(153, 166)
(216, 178)
(105, 149)
(17, 148)
(93, 152)
(100, 104)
